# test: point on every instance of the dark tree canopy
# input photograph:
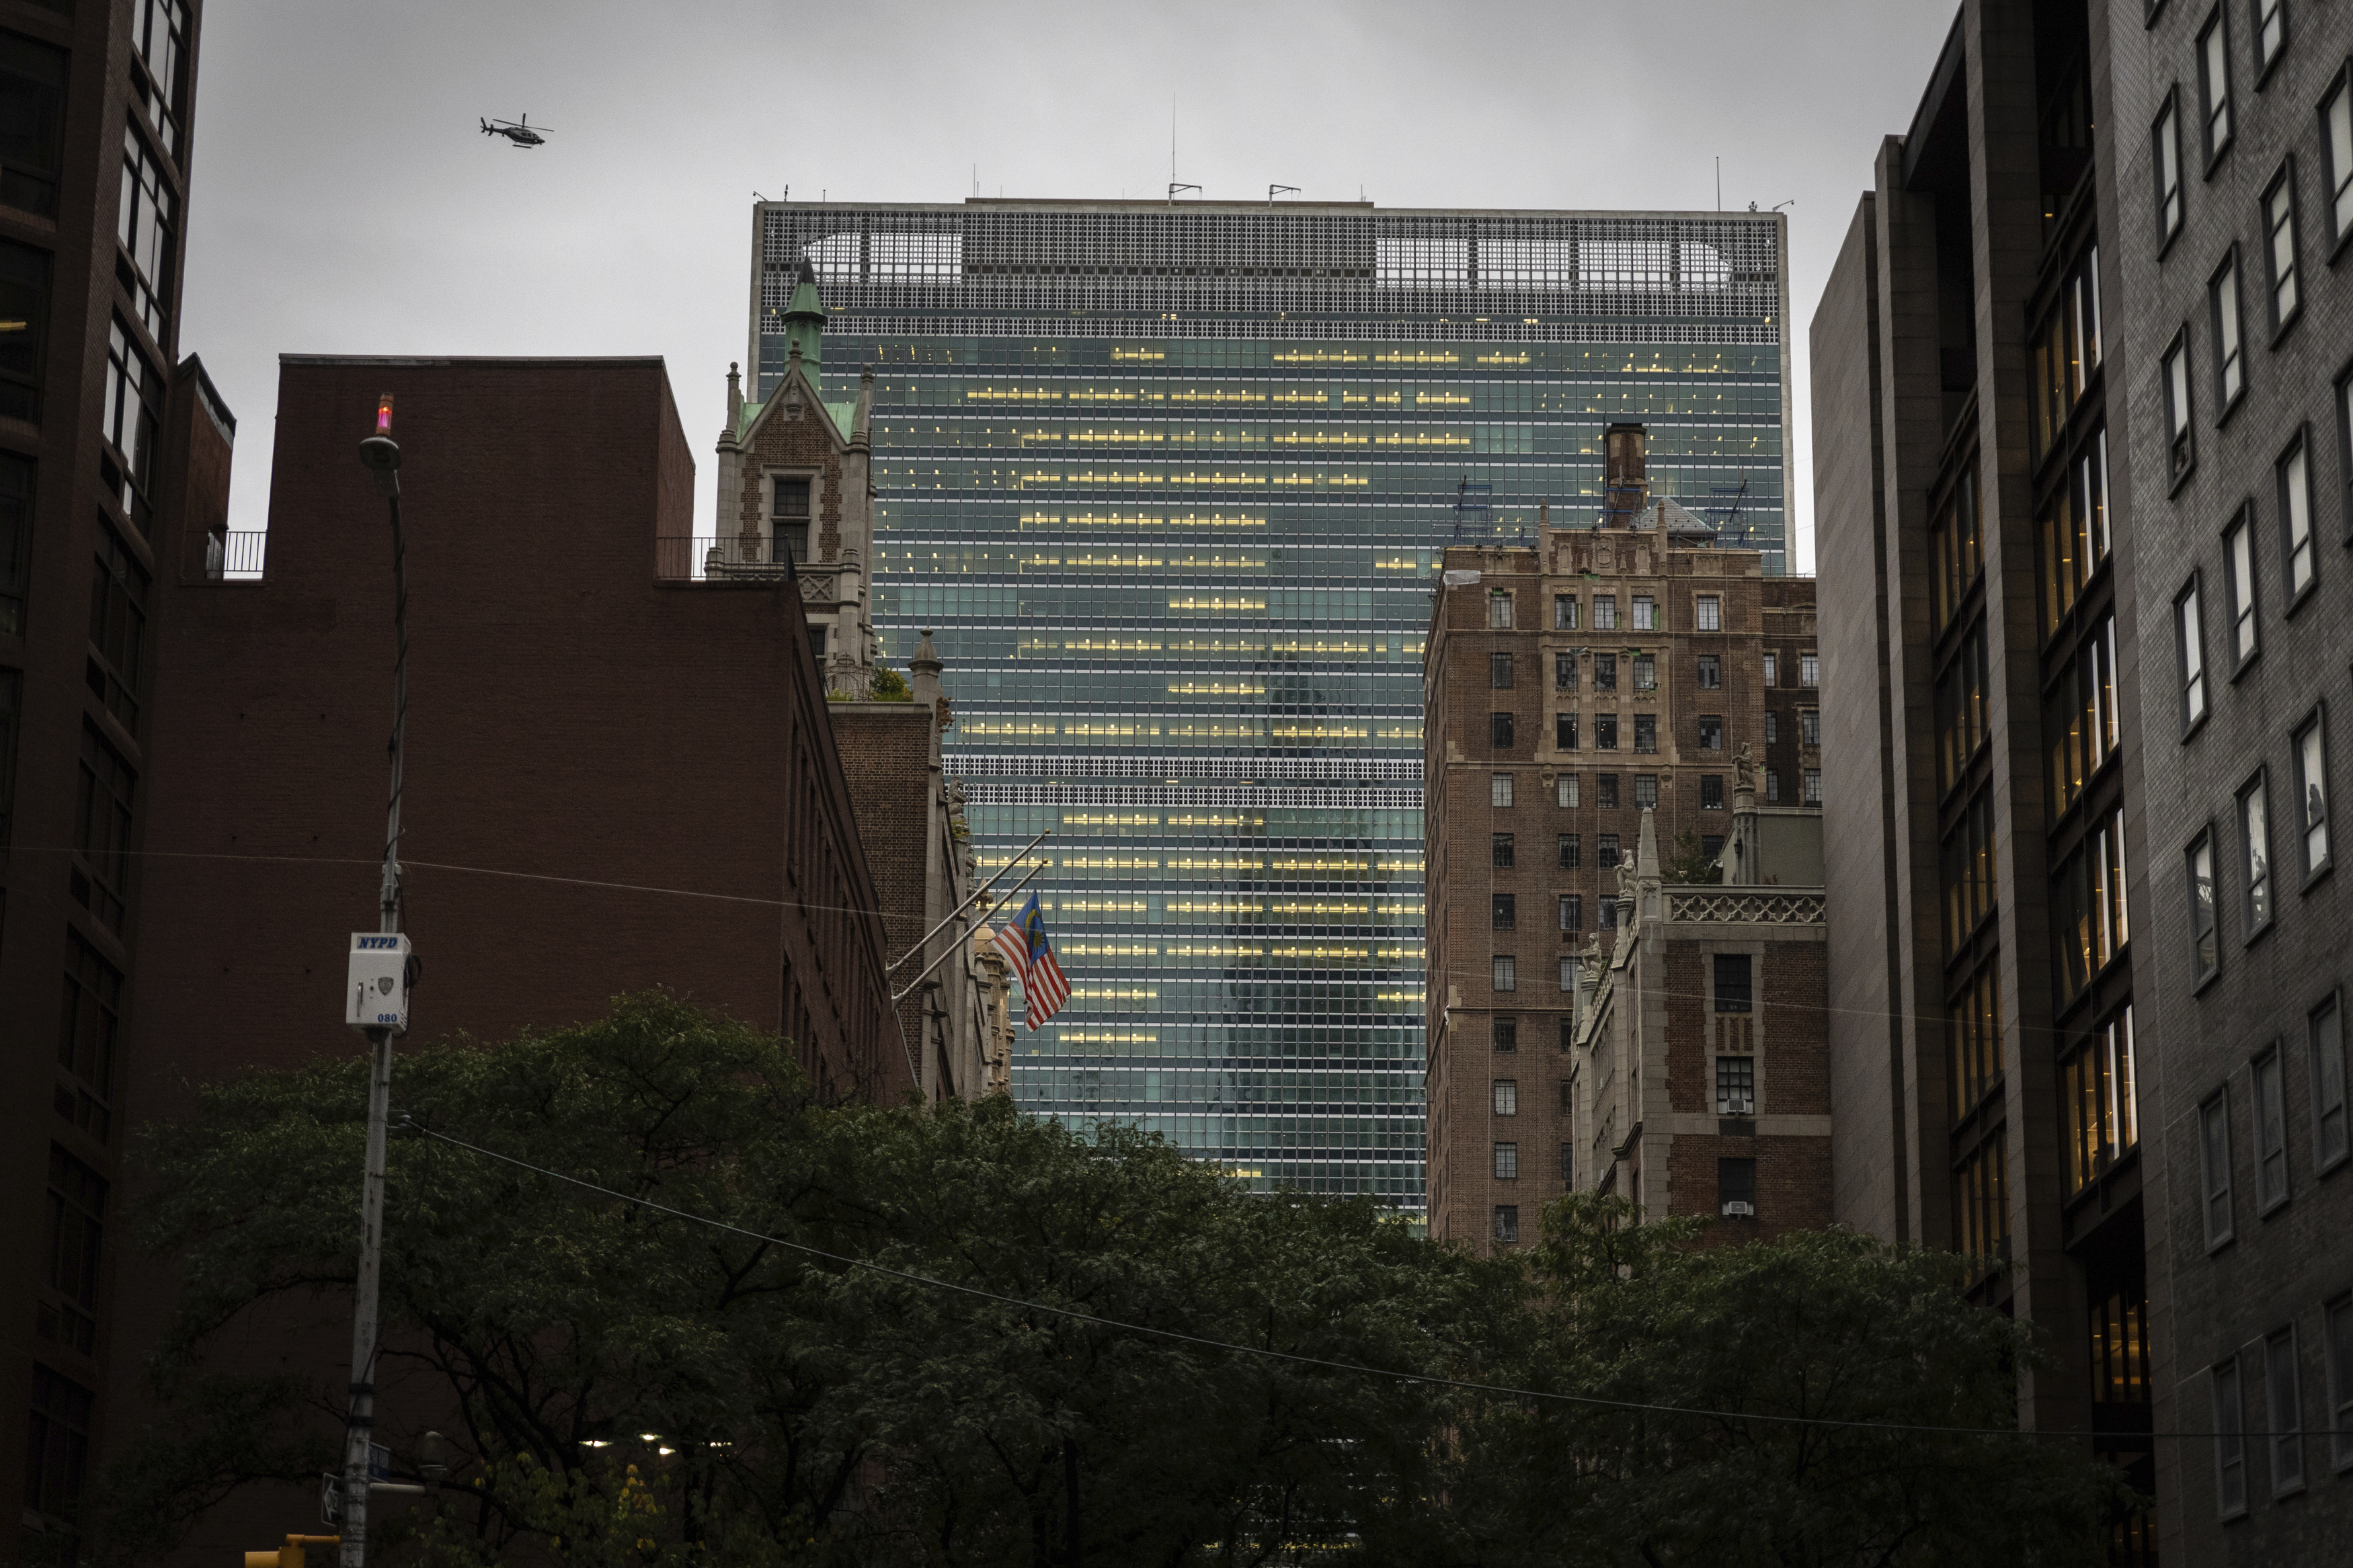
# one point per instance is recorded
(628, 1387)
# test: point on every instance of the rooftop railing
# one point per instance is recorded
(720, 558)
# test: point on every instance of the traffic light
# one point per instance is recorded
(290, 1554)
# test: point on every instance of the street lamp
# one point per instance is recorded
(382, 972)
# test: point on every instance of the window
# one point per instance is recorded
(1572, 912)
(2271, 34)
(1499, 729)
(1955, 551)
(1772, 671)
(2271, 1132)
(788, 517)
(1505, 914)
(1564, 793)
(2279, 220)
(1506, 973)
(1646, 672)
(100, 875)
(2230, 1444)
(1605, 794)
(1605, 612)
(1710, 792)
(1507, 1097)
(1567, 983)
(57, 1458)
(2192, 663)
(1733, 993)
(2214, 85)
(2283, 1406)
(15, 536)
(1605, 672)
(1810, 669)
(1500, 849)
(1710, 672)
(2205, 954)
(1605, 857)
(33, 84)
(1811, 787)
(2100, 1099)
(159, 30)
(1568, 848)
(69, 1315)
(2312, 794)
(2165, 155)
(1736, 1085)
(1973, 1036)
(1646, 732)
(1710, 618)
(1736, 1188)
(1564, 732)
(92, 1018)
(2295, 518)
(1507, 1222)
(1772, 785)
(1772, 728)
(2089, 906)
(2081, 727)
(25, 304)
(1499, 789)
(118, 629)
(2239, 560)
(2338, 1315)
(1505, 1032)
(2324, 1030)
(1564, 612)
(2214, 1166)
(1609, 908)
(1981, 1191)
(1567, 1164)
(1499, 671)
(1646, 792)
(1564, 672)
(2337, 153)
(1499, 610)
(1605, 731)
(128, 416)
(1507, 1162)
(1646, 613)
(1710, 731)
(2075, 531)
(143, 228)
(1809, 726)
(2255, 846)
(2181, 442)
(2230, 363)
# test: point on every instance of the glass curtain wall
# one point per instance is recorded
(1169, 484)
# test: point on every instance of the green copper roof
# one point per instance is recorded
(805, 320)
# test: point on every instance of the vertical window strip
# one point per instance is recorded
(2271, 32)
(2312, 794)
(2214, 84)
(2255, 850)
(2214, 1166)
(2325, 1036)
(2181, 444)
(2230, 1442)
(2230, 365)
(2271, 1132)
(2240, 551)
(2279, 216)
(2205, 951)
(2283, 1411)
(2165, 137)
(2338, 1325)
(2295, 517)
(2193, 655)
(2337, 137)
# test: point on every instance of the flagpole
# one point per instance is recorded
(945, 951)
(959, 912)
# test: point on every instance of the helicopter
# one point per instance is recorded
(522, 132)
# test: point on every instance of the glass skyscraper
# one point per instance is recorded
(1169, 482)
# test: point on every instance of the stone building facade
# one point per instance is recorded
(1569, 688)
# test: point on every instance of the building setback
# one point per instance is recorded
(109, 444)
(1612, 670)
(2087, 952)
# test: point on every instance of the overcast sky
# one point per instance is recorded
(344, 201)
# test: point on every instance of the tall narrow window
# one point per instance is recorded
(2193, 640)
(2295, 518)
(1499, 672)
(2279, 221)
(24, 306)
(1506, 972)
(2230, 364)
(1500, 850)
(1710, 731)
(2255, 855)
(1499, 789)
(2205, 952)
(130, 412)
(2271, 34)
(1771, 670)
(1499, 730)
(1734, 992)
(1646, 613)
(1646, 792)
(2283, 1411)
(1572, 912)
(2239, 559)
(2339, 1323)
(100, 875)
(1646, 672)
(2214, 1166)
(1708, 671)
(1646, 732)
(1507, 1162)
(15, 542)
(1710, 613)
(1507, 1097)
(1564, 671)
(2271, 1132)
(1505, 914)
(159, 31)
(1605, 672)
(1564, 732)
(2164, 160)
(2230, 1441)
(1811, 787)
(1565, 791)
(1605, 612)
(2181, 443)
(1564, 612)
(2337, 150)
(1505, 1032)
(33, 84)
(2324, 1030)
(77, 1232)
(1809, 726)
(1605, 732)
(1736, 1188)
(2312, 793)
(144, 224)
(57, 1458)
(1507, 1222)
(2214, 85)
(1499, 610)
(1810, 669)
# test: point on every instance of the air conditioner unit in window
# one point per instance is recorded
(1736, 1108)
(1736, 1209)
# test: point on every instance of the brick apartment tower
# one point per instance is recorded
(109, 444)
(1567, 687)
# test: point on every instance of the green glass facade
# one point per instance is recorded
(1168, 484)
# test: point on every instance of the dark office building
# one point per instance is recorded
(108, 444)
(2081, 451)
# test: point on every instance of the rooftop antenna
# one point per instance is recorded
(1174, 187)
(1272, 190)
(1719, 184)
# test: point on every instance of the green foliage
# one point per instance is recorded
(1691, 867)
(890, 685)
(801, 1411)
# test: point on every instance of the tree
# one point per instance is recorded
(1691, 865)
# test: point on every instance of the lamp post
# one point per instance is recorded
(382, 457)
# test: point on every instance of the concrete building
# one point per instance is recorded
(1698, 1080)
(2070, 999)
(1167, 481)
(1609, 671)
(110, 445)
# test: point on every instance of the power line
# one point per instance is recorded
(409, 1124)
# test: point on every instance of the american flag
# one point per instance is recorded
(1025, 946)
